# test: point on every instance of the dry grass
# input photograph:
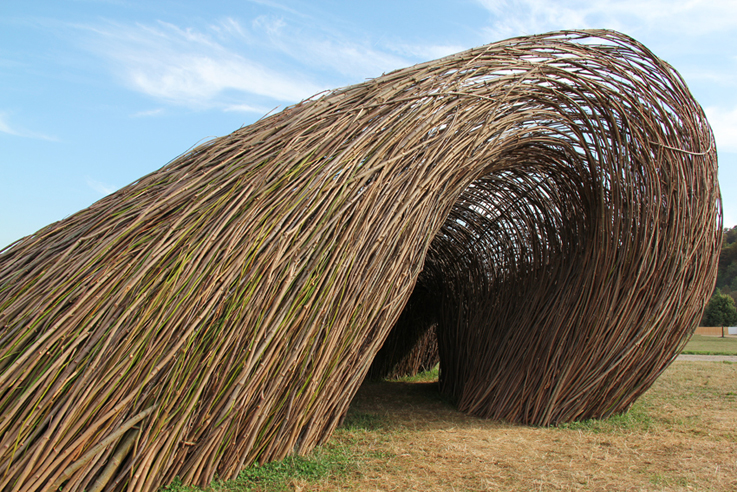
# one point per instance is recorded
(679, 436)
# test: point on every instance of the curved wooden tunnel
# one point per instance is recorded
(551, 200)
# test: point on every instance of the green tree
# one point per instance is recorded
(730, 236)
(720, 311)
(727, 273)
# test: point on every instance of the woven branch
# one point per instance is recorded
(555, 196)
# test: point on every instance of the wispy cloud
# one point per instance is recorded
(426, 51)
(689, 30)
(189, 67)
(146, 114)
(6, 127)
(237, 65)
(531, 17)
(315, 43)
(726, 78)
(278, 6)
(326, 49)
(689, 17)
(724, 124)
(102, 188)
(245, 108)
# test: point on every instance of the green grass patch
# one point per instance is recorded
(324, 462)
(705, 345)
(661, 480)
(278, 475)
(637, 419)
(422, 377)
(340, 457)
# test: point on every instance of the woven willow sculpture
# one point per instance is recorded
(554, 198)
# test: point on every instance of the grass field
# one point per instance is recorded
(681, 435)
(706, 345)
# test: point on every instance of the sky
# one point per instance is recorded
(97, 93)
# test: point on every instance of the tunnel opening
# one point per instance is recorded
(482, 304)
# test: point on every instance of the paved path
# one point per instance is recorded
(706, 358)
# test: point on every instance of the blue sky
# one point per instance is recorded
(95, 94)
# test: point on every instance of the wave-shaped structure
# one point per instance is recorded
(551, 199)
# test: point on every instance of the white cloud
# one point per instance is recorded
(724, 124)
(351, 59)
(188, 67)
(5, 127)
(226, 64)
(245, 108)
(235, 64)
(325, 49)
(686, 17)
(150, 112)
(194, 78)
(273, 26)
(102, 188)
(427, 52)
(276, 5)
(228, 28)
(532, 17)
(725, 78)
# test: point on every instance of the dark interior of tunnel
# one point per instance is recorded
(491, 274)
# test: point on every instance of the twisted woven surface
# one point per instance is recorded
(555, 196)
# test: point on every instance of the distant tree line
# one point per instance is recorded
(721, 311)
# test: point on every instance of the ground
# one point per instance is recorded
(703, 344)
(680, 435)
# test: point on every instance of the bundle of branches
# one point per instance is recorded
(556, 195)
